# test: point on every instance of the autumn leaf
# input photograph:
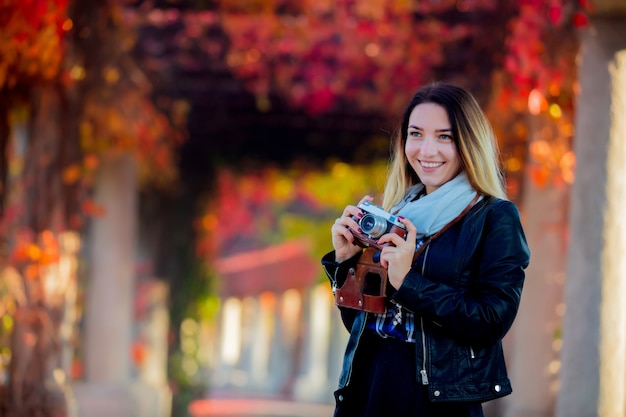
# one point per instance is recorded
(90, 208)
(71, 174)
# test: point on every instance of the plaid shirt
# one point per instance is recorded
(396, 322)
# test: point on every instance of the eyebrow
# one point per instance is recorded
(436, 130)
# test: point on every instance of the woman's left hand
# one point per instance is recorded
(397, 255)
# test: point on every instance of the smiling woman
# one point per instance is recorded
(436, 349)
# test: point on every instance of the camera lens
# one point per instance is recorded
(374, 226)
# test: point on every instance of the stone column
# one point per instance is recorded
(593, 375)
(151, 391)
(612, 401)
(285, 355)
(313, 384)
(261, 376)
(109, 294)
(531, 342)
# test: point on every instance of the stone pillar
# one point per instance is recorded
(531, 343)
(152, 392)
(108, 322)
(613, 308)
(313, 385)
(593, 374)
(261, 377)
(285, 355)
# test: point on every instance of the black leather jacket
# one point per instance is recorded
(465, 291)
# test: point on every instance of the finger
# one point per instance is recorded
(388, 256)
(366, 198)
(347, 223)
(347, 234)
(410, 227)
(340, 229)
(352, 211)
(396, 240)
(392, 238)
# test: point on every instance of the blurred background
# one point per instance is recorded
(170, 170)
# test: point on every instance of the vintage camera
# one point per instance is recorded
(365, 286)
(375, 223)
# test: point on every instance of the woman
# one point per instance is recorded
(437, 349)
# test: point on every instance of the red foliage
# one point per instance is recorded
(580, 20)
(32, 33)
(324, 56)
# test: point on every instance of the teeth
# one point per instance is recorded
(431, 164)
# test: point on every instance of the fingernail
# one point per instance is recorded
(360, 214)
(401, 217)
(359, 230)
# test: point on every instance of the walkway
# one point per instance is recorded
(226, 405)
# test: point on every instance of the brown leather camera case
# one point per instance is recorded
(365, 285)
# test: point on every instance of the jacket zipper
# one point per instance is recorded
(423, 370)
(334, 281)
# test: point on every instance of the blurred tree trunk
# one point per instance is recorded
(4, 140)
(37, 377)
(39, 140)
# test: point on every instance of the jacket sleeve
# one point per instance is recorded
(337, 273)
(482, 312)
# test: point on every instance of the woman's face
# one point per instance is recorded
(429, 146)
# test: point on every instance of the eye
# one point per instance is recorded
(415, 134)
(445, 136)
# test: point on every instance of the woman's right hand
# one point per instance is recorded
(343, 239)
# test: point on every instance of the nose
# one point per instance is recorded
(428, 147)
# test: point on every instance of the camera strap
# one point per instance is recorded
(419, 250)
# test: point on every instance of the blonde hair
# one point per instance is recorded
(472, 134)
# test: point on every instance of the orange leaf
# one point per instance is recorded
(71, 174)
(34, 252)
(91, 208)
(32, 272)
(91, 162)
(138, 353)
(539, 176)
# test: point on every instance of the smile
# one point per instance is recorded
(431, 164)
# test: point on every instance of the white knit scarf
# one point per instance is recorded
(433, 211)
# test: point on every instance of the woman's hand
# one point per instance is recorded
(343, 239)
(397, 255)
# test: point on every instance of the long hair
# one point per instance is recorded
(471, 132)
